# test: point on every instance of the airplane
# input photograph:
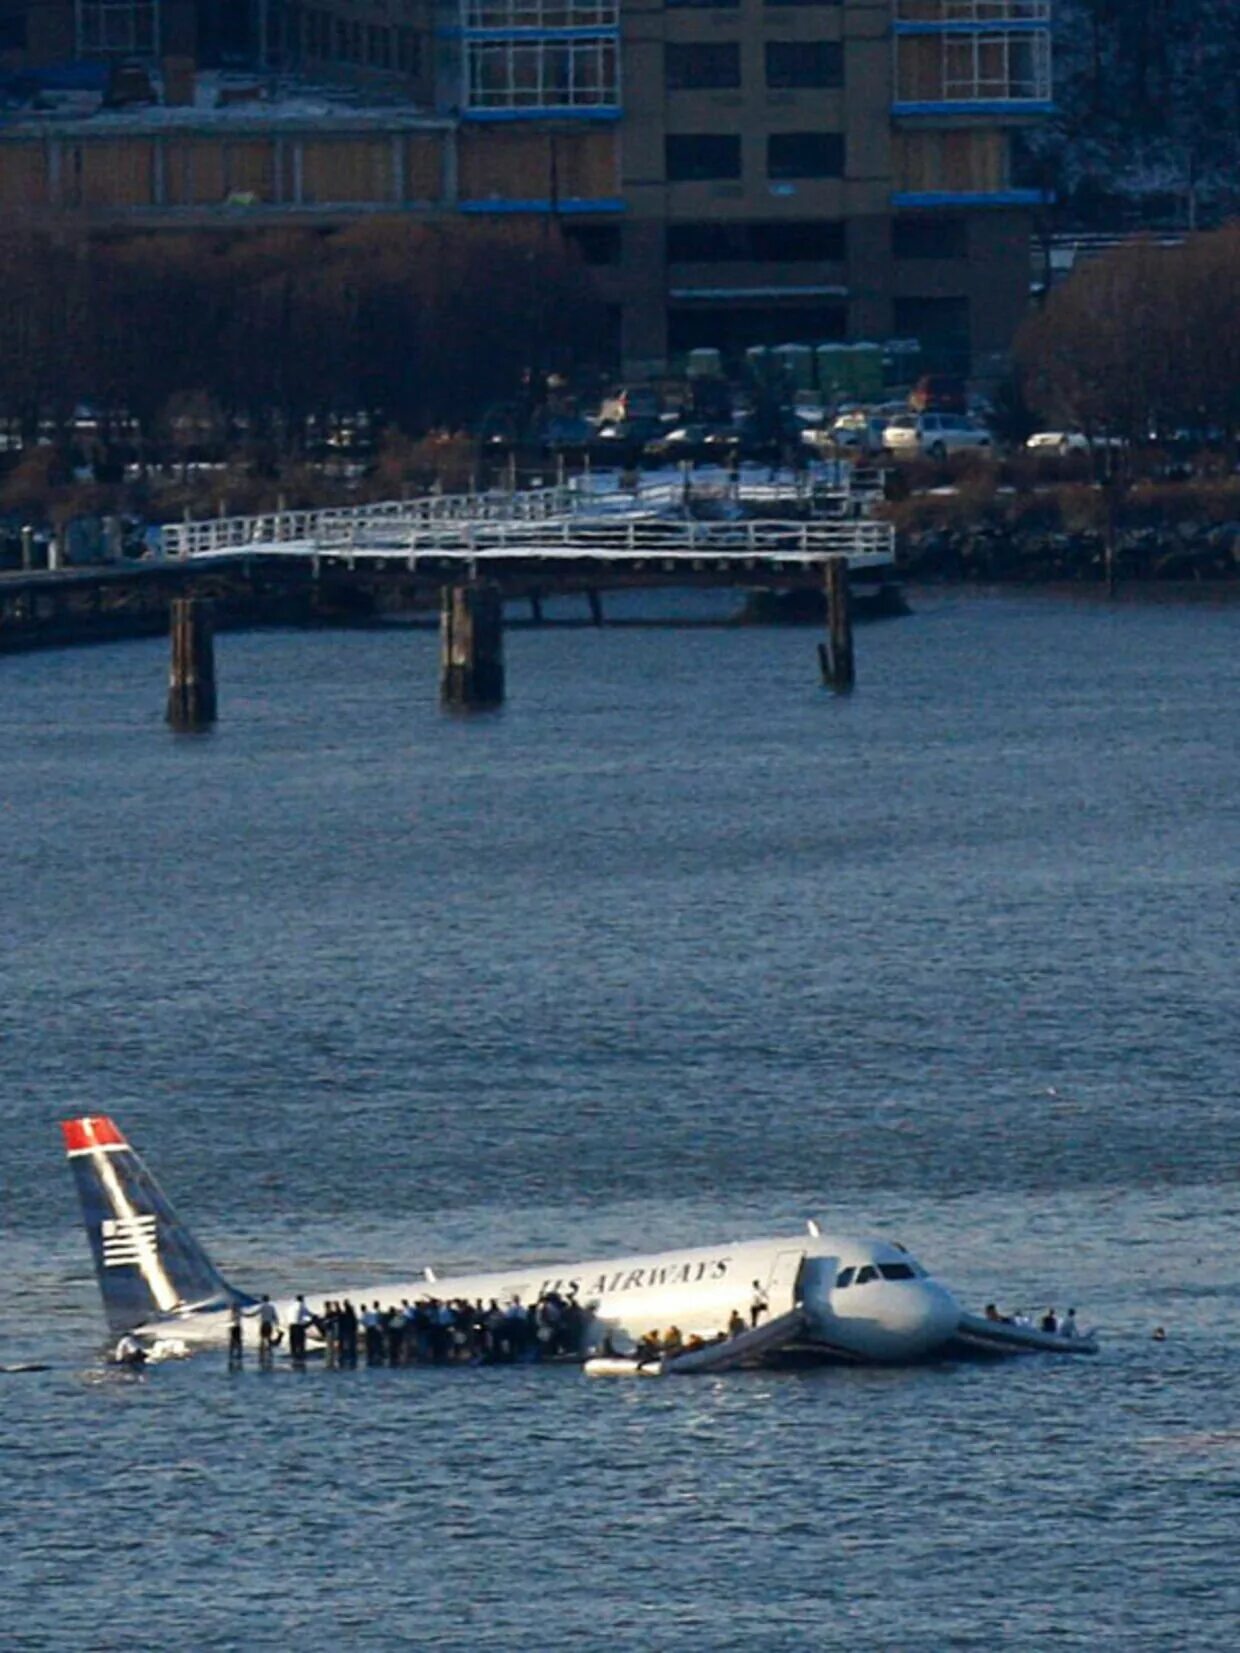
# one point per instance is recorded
(827, 1298)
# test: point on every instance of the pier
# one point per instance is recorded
(463, 557)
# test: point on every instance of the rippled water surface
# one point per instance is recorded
(674, 948)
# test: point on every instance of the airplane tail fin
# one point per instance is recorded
(148, 1263)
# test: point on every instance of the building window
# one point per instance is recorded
(697, 156)
(703, 65)
(597, 243)
(791, 241)
(379, 46)
(929, 237)
(942, 326)
(803, 2)
(805, 155)
(712, 5)
(793, 63)
(408, 51)
(129, 28)
(542, 74)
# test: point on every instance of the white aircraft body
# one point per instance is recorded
(842, 1298)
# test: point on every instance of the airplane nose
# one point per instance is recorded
(927, 1315)
(940, 1314)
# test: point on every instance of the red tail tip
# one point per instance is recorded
(92, 1131)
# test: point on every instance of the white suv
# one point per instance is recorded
(936, 435)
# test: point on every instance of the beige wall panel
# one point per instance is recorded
(347, 169)
(249, 168)
(116, 173)
(424, 168)
(193, 172)
(23, 175)
(972, 159)
(587, 166)
(504, 165)
(519, 166)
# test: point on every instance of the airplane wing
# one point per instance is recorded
(977, 1335)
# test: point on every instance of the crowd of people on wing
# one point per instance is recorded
(431, 1331)
(1063, 1326)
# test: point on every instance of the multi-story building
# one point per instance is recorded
(737, 171)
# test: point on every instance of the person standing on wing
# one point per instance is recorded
(758, 1303)
(299, 1320)
(268, 1330)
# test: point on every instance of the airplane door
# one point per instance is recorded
(783, 1288)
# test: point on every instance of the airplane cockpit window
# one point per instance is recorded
(866, 1274)
(845, 1277)
(896, 1271)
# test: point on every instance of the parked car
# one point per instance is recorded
(697, 443)
(1065, 442)
(935, 435)
(857, 432)
(1061, 442)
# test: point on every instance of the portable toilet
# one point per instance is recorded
(901, 361)
(797, 361)
(834, 370)
(867, 367)
(705, 363)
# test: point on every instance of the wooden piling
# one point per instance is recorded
(471, 635)
(595, 600)
(191, 680)
(27, 549)
(536, 607)
(836, 655)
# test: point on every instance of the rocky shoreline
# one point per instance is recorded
(1001, 555)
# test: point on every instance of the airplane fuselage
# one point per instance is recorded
(893, 1316)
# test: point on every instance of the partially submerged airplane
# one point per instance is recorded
(827, 1297)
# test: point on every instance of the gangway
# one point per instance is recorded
(865, 541)
(823, 492)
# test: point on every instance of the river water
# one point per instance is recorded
(674, 948)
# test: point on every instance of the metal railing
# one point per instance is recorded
(862, 540)
(828, 492)
(191, 539)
